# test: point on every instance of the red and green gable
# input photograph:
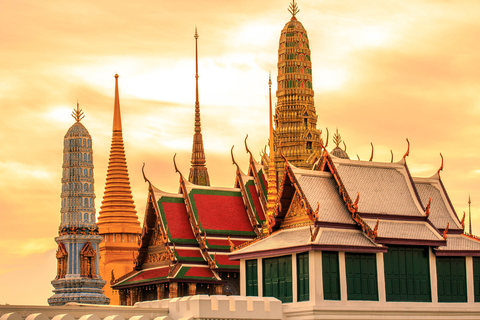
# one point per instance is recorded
(175, 219)
(254, 201)
(220, 212)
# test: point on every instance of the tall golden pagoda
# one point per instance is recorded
(198, 172)
(117, 222)
(296, 135)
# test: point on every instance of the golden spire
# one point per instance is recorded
(293, 9)
(117, 213)
(77, 114)
(198, 171)
(117, 119)
(272, 179)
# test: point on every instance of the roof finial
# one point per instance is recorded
(293, 9)
(441, 166)
(198, 171)
(117, 118)
(77, 114)
(337, 139)
(272, 177)
(371, 156)
(469, 215)
(408, 150)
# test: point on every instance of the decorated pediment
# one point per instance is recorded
(297, 212)
(88, 250)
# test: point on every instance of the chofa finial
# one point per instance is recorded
(78, 114)
(293, 9)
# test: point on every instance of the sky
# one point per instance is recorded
(383, 71)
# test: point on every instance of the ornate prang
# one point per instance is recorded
(446, 231)
(293, 9)
(427, 209)
(408, 150)
(78, 114)
(371, 155)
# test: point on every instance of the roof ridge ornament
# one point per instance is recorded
(391, 159)
(463, 221)
(408, 150)
(293, 8)
(337, 139)
(441, 166)
(371, 155)
(445, 232)
(78, 114)
(427, 209)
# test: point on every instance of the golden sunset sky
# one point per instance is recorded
(383, 71)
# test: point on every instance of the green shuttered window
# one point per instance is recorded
(331, 277)
(251, 277)
(361, 271)
(451, 279)
(302, 277)
(476, 278)
(407, 274)
(277, 278)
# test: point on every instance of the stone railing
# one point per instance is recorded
(192, 307)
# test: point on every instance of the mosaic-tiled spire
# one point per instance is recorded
(117, 212)
(198, 171)
(77, 255)
(296, 131)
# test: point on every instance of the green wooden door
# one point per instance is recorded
(451, 279)
(303, 286)
(331, 276)
(251, 277)
(277, 278)
(361, 269)
(407, 274)
(476, 278)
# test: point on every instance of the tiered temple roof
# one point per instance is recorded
(188, 236)
(349, 205)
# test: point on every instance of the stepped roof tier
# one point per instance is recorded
(117, 213)
(187, 236)
(360, 206)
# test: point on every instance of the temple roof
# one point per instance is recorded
(163, 274)
(219, 210)
(320, 189)
(442, 212)
(468, 245)
(299, 239)
(383, 188)
(406, 230)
